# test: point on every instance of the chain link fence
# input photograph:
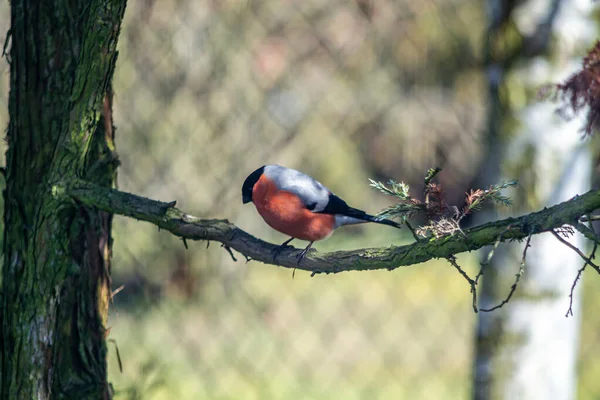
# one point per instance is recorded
(345, 90)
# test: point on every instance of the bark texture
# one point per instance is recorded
(167, 217)
(56, 273)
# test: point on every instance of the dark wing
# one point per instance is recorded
(339, 207)
(335, 205)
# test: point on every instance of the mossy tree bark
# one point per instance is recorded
(56, 273)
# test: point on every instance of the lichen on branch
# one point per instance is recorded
(167, 217)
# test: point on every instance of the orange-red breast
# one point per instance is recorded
(297, 205)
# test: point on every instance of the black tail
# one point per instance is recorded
(359, 214)
(335, 205)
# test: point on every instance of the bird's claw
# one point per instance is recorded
(302, 255)
(303, 252)
(277, 250)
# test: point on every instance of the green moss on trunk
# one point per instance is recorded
(56, 274)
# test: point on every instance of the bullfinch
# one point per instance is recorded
(297, 205)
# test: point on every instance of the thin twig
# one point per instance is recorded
(112, 299)
(229, 251)
(411, 229)
(487, 261)
(517, 279)
(490, 255)
(579, 273)
(116, 291)
(113, 341)
(472, 283)
(576, 250)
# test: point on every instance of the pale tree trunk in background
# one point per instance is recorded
(528, 349)
(56, 273)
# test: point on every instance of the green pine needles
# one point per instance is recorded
(443, 218)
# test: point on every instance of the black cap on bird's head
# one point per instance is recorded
(249, 184)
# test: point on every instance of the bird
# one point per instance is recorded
(299, 206)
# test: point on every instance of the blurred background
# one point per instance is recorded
(344, 90)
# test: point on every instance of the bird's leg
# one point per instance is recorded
(279, 248)
(303, 253)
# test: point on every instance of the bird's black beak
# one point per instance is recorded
(246, 197)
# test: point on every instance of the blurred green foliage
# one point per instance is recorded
(205, 92)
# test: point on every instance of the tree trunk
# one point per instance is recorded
(56, 274)
(528, 349)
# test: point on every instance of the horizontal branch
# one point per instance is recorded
(166, 216)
